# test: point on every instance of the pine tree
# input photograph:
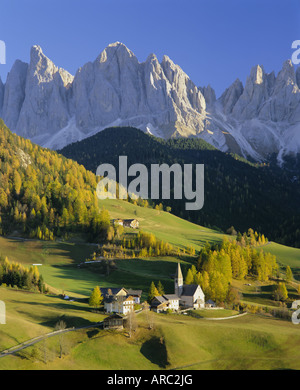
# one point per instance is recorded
(281, 293)
(198, 279)
(288, 274)
(194, 272)
(218, 286)
(153, 292)
(189, 277)
(205, 282)
(17, 182)
(96, 297)
(160, 288)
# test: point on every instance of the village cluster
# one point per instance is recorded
(121, 301)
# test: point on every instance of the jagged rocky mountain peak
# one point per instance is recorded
(257, 74)
(209, 94)
(116, 52)
(47, 104)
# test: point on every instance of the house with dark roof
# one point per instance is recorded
(136, 294)
(165, 302)
(173, 301)
(210, 304)
(120, 299)
(114, 321)
(131, 223)
(119, 304)
(115, 291)
(159, 304)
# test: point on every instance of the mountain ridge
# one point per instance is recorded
(54, 108)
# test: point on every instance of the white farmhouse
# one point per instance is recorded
(165, 302)
(120, 304)
(118, 300)
(173, 301)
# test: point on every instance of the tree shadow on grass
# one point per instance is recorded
(155, 351)
(92, 333)
(50, 319)
(69, 250)
(59, 305)
(67, 274)
(70, 321)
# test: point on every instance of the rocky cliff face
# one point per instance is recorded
(264, 116)
(116, 88)
(48, 105)
(14, 94)
(45, 105)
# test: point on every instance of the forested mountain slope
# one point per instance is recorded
(43, 194)
(237, 192)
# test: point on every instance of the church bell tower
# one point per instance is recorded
(178, 281)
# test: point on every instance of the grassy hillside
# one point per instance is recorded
(286, 256)
(176, 342)
(250, 342)
(29, 315)
(60, 259)
(163, 225)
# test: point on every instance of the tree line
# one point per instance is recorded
(16, 275)
(140, 244)
(218, 264)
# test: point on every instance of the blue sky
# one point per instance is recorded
(214, 41)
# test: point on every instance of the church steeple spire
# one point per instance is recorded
(178, 281)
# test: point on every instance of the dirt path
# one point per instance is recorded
(224, 318)
(28, 343)
(35, 340)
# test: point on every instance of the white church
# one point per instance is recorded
(185, 295)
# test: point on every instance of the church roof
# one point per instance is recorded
(189, 289)
(178, 274)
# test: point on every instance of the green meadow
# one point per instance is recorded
(163, 225)
(176, 342)
(286, 256)
(59, 260)
(29, 315)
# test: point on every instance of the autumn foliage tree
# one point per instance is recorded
(96, 297)
(153, 292)
(288, 274)
(43, 194)
(218, 264)
(17, 275)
